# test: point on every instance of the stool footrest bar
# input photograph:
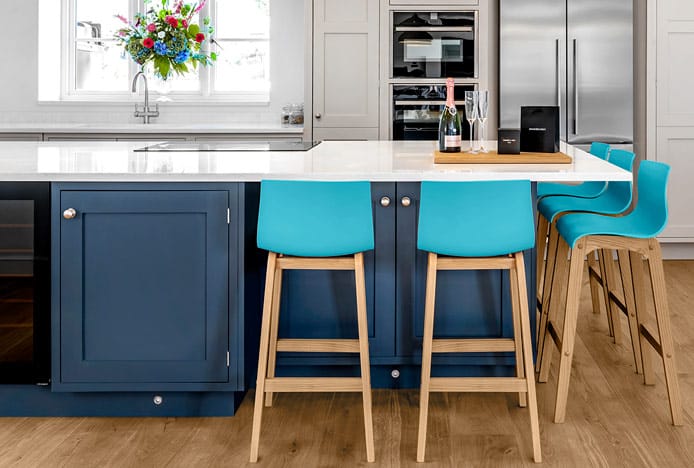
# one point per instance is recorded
(651, 337)
(318, 346)
(619, 301)
(478, 384)
(313, 384)
(492, 345)
(467, 263)
(554, 334)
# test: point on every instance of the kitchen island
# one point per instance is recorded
(156, 281)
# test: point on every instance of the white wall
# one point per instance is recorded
(19, 83)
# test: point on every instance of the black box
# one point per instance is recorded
(509, 141)
(540, 129)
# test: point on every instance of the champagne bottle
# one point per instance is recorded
(450, 128)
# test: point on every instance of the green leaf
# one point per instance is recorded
(193, 29)
(162, 65)
(213, 55)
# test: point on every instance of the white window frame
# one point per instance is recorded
(205, 95)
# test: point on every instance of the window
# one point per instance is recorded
(94, 65)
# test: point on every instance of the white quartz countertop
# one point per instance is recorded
(153, 128)
(331, 160)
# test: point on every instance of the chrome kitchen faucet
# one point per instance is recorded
(146, 112)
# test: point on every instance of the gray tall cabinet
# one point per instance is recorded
(345, 69)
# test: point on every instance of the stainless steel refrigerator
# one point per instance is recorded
(575, 54)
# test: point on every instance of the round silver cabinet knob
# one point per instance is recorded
(69, 213)
(318, 115)
(406, 201)
(158, 400)
(395, 373)
(385, 202)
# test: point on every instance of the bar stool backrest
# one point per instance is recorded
(650, 215)
(620, 192)
(315, 219)
(601, 150)
(476, 219)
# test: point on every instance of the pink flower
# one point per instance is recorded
(173, 22)
(151, 27)
(148, 42)
(178, 6)
(122, 18)
(200, 7)
(199, 37)
(184, 23)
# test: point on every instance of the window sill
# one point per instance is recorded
(168, 102)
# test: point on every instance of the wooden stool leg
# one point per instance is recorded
(548, 283)
(594, 284)
(263, 355)
(364, 354)
(540, 249)
(517, 334)
(274, 326)
(427, 344)
(662, 316)
(628, 288)
(554, 306)
(607, 273)
(641, 307)
(573, 296)
(524, 319)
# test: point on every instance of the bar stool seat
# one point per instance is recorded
(312, 226)
(634, 237)
(615, 200)
(584, 190)
(478, 226)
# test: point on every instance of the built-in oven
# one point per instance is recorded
(25, 282)
(417, 109)
(435, 44)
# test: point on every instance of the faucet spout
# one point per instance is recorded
(146, 112)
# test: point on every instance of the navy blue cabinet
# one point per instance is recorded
(144, 296)
(468, 303)
(322, 304)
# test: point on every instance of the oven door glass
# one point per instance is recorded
(417, 110)
(434, 48)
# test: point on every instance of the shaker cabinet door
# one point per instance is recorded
(345, 64)
(143, 287)
(471, 304)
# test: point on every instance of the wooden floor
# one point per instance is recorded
(612, 420)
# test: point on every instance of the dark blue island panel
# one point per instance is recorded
(148, 291)
(469, 304)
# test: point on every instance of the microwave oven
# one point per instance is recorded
(435, 45)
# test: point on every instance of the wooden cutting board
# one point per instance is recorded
(494, 158)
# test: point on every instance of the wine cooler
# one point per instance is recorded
(417, 110)
(24, 283)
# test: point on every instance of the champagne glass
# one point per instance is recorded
(471, 105)
(482, 114)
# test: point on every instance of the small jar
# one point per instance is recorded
(296, 116)
(286, 113)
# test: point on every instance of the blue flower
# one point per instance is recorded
(160, 48)
(182, 56)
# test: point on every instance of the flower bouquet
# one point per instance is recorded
(167, 37)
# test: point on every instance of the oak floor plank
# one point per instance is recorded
(612, 419)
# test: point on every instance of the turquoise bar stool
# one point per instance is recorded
(312, 226)
(584, 190)
(634, 237)
(615, 200)
(478, 226)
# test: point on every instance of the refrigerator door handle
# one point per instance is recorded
(575, 58)
(558, 71)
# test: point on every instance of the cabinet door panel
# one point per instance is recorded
(322, 304)
(345, 63)
(143, 287)
(468, 303)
